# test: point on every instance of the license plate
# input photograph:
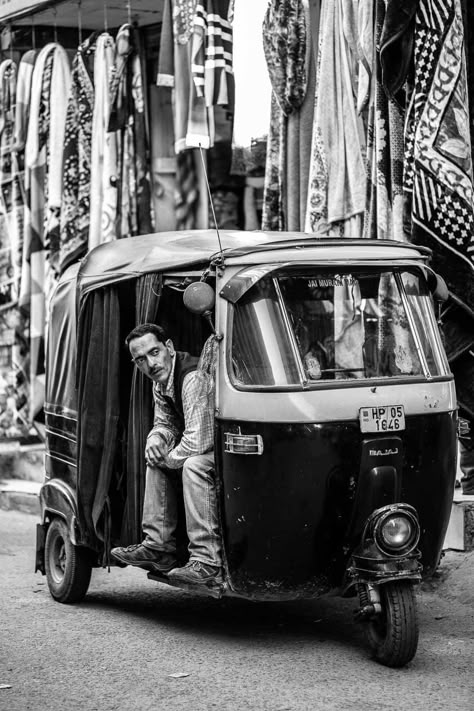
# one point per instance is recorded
(384, 418)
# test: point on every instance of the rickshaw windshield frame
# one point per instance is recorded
(300, 327)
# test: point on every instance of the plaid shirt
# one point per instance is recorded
(198, 434)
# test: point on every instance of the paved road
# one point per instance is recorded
(119, 649)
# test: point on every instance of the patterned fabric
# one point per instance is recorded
(186, 193)
(104, 149)
(285, 48)
(273, 213)
(438, 177)
(385, 149)
(22, 110)
(8, 75)
(36, 281)
(127, 117)
(336, 194)
(75, 205)
(212, 53)
(198, 435)
(60, 86)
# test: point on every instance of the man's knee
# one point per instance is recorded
(199, 465)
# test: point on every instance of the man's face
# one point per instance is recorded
(153, 357)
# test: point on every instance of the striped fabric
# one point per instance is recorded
(212, 53)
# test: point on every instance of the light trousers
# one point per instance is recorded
(160, 509)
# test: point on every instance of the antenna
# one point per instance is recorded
(210, 199)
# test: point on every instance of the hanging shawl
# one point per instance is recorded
(75, 204)
(336, 194)
(211, 62)
(438, 178)
(22, 110)
(60, 87)
(396, 43)
(284, 44)
(36, 279)
(7, 207)
(128, 117)
(384, 209)
(104, 149)
(192, 119)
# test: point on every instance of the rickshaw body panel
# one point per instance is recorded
(311, 461)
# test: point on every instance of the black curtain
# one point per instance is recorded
(140, 418)
(99, 410)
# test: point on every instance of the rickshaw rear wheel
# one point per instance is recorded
(68, 569)
(393, 633)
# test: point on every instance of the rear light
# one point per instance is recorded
(243, 444)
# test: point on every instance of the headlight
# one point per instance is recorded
(397, 532)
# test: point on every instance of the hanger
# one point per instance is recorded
(79, 21)
(55, 14)
(106, 21)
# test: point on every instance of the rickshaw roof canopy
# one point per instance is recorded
(164, 251)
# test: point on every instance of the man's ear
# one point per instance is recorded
(170, 346)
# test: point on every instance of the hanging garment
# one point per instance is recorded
(127, 117)
(336, 193)
(438, 178)
(103, 213)
(60, 88)
(299, 132)
(75, 203)
(193, 121)
(285, 48)
(8, 75)
(383, 217)
(36, 281)
(396, 43)
(211, 53)
(22, 110)
(186, 195)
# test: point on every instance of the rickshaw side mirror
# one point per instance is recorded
(438, 288)
(199, 298)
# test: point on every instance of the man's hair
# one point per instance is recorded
(145, 328)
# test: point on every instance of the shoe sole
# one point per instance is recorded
(146, 564)
(195, 581)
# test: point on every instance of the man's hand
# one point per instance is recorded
(156, 449)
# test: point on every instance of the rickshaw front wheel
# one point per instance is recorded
(393, 633)
(68, 570)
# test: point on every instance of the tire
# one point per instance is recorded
(393, 634)
(68, 570)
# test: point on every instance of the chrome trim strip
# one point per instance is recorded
(54, 433)
(58, 459)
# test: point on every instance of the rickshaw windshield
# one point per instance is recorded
(296, 328)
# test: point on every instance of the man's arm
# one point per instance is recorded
(198, 435)
(164, 433)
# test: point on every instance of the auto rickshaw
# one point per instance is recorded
(335, 413)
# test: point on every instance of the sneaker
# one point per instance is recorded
(196, 572)
(145, 557)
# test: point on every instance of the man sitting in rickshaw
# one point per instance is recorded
(182, 437)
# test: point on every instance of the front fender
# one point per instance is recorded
(59, 499)
(368, 564)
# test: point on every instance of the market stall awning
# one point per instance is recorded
(90, 14)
